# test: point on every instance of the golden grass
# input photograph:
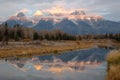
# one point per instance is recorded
(40, 50)
(114, 57)
(113, 60)
(114, 73)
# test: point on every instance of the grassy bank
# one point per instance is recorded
(113, 60)
(27, 49)
(42, 48)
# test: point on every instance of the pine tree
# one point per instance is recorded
(35, 36)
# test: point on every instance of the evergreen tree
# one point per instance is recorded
(35, 36)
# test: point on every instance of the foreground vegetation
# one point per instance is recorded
(113, 65)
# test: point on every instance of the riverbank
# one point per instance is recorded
(113, 60)
(27, 49)
(24, 49)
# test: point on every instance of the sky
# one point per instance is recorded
(109, 9)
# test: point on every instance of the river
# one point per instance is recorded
(86, 64)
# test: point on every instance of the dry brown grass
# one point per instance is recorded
(113, 65)
(114, 73)
(39, 50)
(25, 50)
(114, 57)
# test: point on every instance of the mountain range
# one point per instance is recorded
(77, 22)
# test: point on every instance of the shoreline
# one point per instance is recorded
(43, 48)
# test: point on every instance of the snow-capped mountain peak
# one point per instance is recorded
(76, 22)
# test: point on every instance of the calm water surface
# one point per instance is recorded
(87, 64)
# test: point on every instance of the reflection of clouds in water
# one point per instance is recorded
(59, 69)
(71, 66)
(53, 71)
(38, 67)
(55, 66)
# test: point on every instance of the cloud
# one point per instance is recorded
(107, 8)
(61, 10)
(38, 13)
(56, 10)
(25, 10)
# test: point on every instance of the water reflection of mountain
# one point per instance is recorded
(73, 65)
(56, 67)
(75, 60)
(94, 54)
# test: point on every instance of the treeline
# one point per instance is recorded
(55, 35)
(19, 33)
(100, 36)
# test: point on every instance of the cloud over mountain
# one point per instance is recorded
(107, 8)
(38, 13)
(74, 22)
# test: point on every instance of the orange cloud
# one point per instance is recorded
(25, 10)
(57, 10)
(38, 13)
